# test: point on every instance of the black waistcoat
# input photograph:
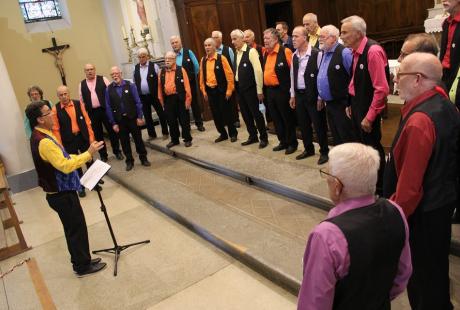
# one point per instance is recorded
(454, 52)
(179, 81)
(226, 53)
(100, 92)
(65, 123)
(152, 79)
(218, 71)
(45, 171)
(126, 99)
(440, 178)
(375, 236)
(310, 75)
(246, 76)
(281, 69)
(187, 64)
(337, 75)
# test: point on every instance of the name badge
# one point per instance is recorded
(244, 65)
(126, 91)
(81, 117)
(217, 67)
(281, 64)
(188, 59)
(312, 75)
(361, 66)
(337, 67)
(151, 75)
(182, 80)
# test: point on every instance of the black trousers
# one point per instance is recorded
(249, 107)
(78, 145)
(98, 118)
(147, 102)
(234, 107)
(129, 126)
(67, 206)
(283, 116)
(308, 114)
(372, 138)
(176, 114)
(339, 123)
(221, 110)
(196, 108)
(429, 237)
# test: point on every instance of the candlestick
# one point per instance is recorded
(123, 31)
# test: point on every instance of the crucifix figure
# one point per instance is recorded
(57, 51)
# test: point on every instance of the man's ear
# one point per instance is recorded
(338, 187)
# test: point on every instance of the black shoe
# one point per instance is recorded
(171, 144)
(129, 166)
(290, 150)
(95, 261)
(233, 139)
(237, 124)
(263, 144)
(220, 139)
(323, 158)
(104, 158)
(145, 163)
(200, 127)
(250, 141)
(119, 156)
(98, 188)
(279, 147)
(305, 154)
(188, 143)
(82, 193)
(92, 268)
(101, 181)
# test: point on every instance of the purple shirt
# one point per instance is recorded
(118, 89)
(327, 260)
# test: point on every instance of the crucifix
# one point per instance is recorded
(57, 51)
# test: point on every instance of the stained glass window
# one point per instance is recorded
(40, 10)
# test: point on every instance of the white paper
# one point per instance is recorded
(97, 170)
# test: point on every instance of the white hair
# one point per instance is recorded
(170, 53)
(238, 33)
(142, 51)
(356, 166)
(357, 23)
(331, 30)
(219, 34)
(312, 17)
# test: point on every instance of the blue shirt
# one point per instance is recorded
(143, 70)
(230, 51)
(179, 55)
(118, 89)
(324, 90)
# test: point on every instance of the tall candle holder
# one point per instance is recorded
(133, 39)
(144, 33)
(130, 52)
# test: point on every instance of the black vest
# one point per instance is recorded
(152, 79)
(281, 69)
(187, 64)
(454, 52)
(226, 53)
(45, 171)
(218, 71)
(100, 92)
(375, 236)
(246, 76)
(310, 75)
(337, 75)
(364, 90)
(126, 99)
(440, 178)
(179, 81)
(65, 123)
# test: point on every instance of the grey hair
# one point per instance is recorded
(357, 23)
(312, 17)
(238, 33)
(219, 33)
(142, 51)
(331, 30)
(356, 166)
(210, 40)
(171, 53)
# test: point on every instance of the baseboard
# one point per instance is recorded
(22, 181)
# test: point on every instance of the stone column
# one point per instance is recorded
(14, 146)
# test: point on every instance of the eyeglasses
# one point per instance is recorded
(50, 112)
(399, 74)
(325, 174)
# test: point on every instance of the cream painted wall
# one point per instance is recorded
(27, 65)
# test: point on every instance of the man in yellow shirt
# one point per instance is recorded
(217, 84)
(310, 22)
(58, 177)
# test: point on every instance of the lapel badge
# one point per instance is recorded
(281, 64)
(244, 65)
(337, 67)
(126, 91)
(453, 45)
(217, 67)
(182, 80)
(188, 59)
(312, 75)
(81, 117)
(151, 75)
(361, 66)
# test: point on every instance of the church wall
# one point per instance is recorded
(27, 65)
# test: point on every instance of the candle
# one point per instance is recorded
(123, 32)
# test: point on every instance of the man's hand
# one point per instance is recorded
(319, 105)
(140, 122)
(348, 112)
(366, 125)
(292, 102)
(260, 97)
(205, 97)
(96, 146)
(188, 105)
(227, 96)
(116, 128)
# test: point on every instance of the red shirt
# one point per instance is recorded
(412, 153)
(453, 22)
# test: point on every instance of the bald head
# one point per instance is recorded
(90, 71)
(310, 22)
(419, 42)
(209, 46)
(249, 37)
(418, 73)
(63, 94)
(176, 43)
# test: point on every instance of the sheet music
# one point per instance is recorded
(97, 170)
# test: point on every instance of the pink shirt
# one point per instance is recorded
(377, 61)
(92, 89)
(326, 260)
